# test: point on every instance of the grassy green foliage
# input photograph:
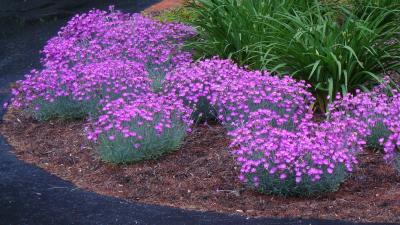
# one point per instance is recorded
(180, 14)
(334, 48)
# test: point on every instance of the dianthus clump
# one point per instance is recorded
(310, 159)
(367, 109)
(141, 128)
(99, 35)
(104, 81)
(221, 89)
(286, 97)
(375, 117)
(391, 143)
(97, 57)
(198, 84)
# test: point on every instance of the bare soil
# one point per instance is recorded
(201, 175)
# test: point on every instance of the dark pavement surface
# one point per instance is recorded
(30, 195)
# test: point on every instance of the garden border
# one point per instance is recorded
(30, 195)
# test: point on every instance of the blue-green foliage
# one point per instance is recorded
(153, 145)
(62, 108)
(272, 184)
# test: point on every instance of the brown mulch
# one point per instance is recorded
(200, 175)
(165, 5)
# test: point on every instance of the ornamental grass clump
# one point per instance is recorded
(138, 129)
(308, 160)
(332, 47)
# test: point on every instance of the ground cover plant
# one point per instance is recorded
(307, 160)
(143, 128)
(95, 37)
(104, 59)
(376, 115)
(140, 91)
(222, 90)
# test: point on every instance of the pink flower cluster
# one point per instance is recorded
(376, 115)
(92, 42)
(310, 153)
(132, 118)
(100, 35)
(110, 64)
(110, 79)
(233, 92)
(269, 118)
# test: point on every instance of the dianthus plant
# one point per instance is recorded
(229, 92)
(111, 79)
(100, 35)
(310, 159)
(368, 108)
(99, 56)
(141, 128)
(237, 98)
(198, 84)
(392, 122)
(377, 115)
(74, 93)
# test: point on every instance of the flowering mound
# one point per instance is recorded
(284, 96)
(375, 117)
(143, 128)
(47, 94)
(100, 35)
(220, 87)
(100, 39)
(111, 79)
(310, 159)
(198, 84)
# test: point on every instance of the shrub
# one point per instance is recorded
(141, 128)
(308, 160)
(306, 41)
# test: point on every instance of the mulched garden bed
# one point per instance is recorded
(201, 175)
